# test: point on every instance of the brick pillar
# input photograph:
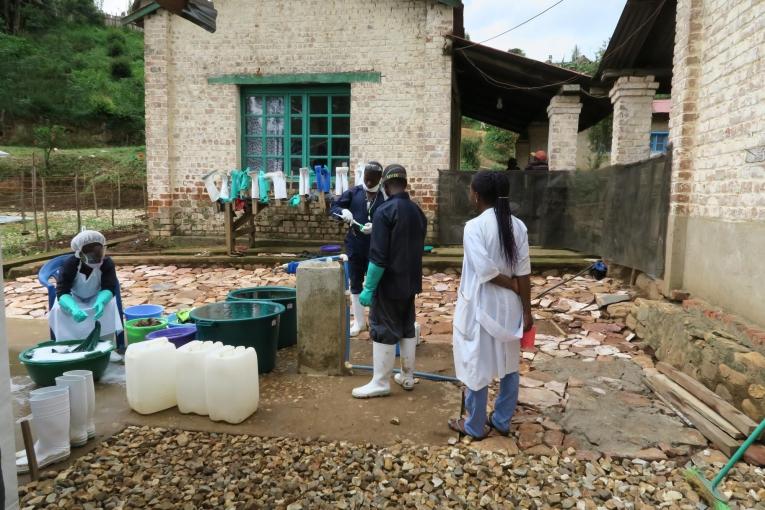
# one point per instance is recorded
(686, 69)
(632, 97)
(157, 83)
(563, 113)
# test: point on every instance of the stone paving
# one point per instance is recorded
(582, 391)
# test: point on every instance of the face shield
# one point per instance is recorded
(92, 254)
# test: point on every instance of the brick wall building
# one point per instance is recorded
(717, 218)
(380, 64)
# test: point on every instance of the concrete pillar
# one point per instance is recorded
(563, 113)
(321, 318)
(632, 97)
(7, 424)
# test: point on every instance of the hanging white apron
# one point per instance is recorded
(84, 291)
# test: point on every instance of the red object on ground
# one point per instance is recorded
(527, 341)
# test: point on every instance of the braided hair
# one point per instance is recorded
(493, 188)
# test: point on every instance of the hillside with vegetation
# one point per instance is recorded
(59, 65)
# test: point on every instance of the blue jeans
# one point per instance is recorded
(504, 406)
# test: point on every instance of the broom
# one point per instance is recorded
(707, 489)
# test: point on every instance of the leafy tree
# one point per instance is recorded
(500, 143)
(599, 138)
(469, 158)
(517, 51)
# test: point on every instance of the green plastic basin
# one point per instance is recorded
(286, 296)
(44, 373)
(138, 334)
(248, 323)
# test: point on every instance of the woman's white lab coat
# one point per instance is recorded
(488, 320)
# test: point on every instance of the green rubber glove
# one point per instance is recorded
(374, 274)
(102, 300)
(66, 302)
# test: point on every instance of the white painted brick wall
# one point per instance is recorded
(193, 127)
(563, 113)
(718, 110)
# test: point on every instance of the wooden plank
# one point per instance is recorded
(229, 227)
(702, 408)
(29, 447)
(722, 441)
(738, 419)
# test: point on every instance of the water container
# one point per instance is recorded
(232, 384)
(190, 380)
(150, 375)
(143, 312)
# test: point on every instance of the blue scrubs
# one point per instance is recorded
(356, 243)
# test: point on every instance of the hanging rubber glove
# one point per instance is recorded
(295, 201)
(347, 216)
(366, 229)
(101, 301)
(374, 273)
(263, 187)
(67, 303)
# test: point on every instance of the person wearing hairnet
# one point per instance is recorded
(85, 291)
(356, 206)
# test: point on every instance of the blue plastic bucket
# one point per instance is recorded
(172, 322)
(144, 312)
(179, 336)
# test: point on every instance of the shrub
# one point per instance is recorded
(469, 149)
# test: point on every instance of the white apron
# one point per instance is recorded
(84, 291)
(488, 319)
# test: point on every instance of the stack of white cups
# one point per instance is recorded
(62, 415)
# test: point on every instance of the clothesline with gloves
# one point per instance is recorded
(250, 191)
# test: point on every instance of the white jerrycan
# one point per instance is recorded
(232, 384)
(150, 375)
(190, 380)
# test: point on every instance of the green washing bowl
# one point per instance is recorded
(44, 373)
(138, 334)
(286, 296)
(247, 323)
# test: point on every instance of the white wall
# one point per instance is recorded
(7, 438)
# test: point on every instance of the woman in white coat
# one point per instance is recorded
(493, 307)
(85, 291)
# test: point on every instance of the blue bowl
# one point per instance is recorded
(144, 312)
(179, 336)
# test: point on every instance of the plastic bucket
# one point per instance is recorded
(143, 312)
(179, 336)
(44, 373)
(248, 323)
(172, 322)
(138, 333)
(286, 296)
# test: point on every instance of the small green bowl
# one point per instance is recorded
(44, 373)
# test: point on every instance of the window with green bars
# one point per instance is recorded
(289, 128)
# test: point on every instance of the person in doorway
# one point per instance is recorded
(493, 307)
(394, 278)
(85, 291)
(512, 164)
(356, 206)
(538, 161)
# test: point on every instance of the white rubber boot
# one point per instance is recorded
(383, 358)
(91, 394)
(78, 407)
(50, 423)
(359, 322)
(407, 348)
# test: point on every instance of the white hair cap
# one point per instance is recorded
(85, 238)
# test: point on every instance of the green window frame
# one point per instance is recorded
(286, 128)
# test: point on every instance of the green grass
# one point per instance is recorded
(62, 226)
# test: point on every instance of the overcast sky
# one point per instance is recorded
(586, 23)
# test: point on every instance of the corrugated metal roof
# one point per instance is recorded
(488, 78)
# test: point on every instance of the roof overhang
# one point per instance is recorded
(487, 78)
(142, 8)
(642, 44)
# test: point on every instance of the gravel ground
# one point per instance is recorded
(146, 467)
